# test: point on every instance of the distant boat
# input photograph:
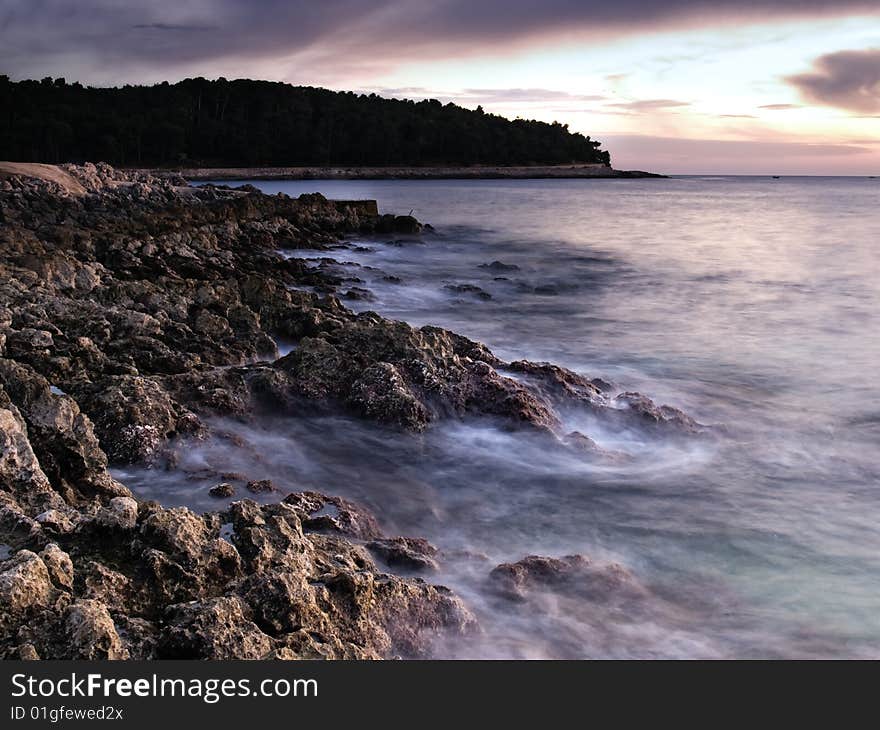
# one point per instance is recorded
(776, 177)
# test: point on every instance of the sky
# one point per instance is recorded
(674, 86)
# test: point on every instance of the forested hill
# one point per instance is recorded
(244, 123)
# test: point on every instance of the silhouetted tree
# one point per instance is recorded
(243, 123)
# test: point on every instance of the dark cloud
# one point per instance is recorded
(101, 39)
(169, 26)
(779, 107)
(846, 79)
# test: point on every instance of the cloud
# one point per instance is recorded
(647, 105)
(489, 97)
(846, 79)
(779, 107)
(98, 40)
(736, 116)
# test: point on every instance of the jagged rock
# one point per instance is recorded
(261, 486)
(24, 583)
(28, 653)
(468, 289)
(411, 553)
(224, 490)
(55, 521)
(121, 513)
(70, 454)
(215, 629)
(570, 575)
(59, 566)
(334, 514)
(89, 632)
(134, 417)
(499, 266)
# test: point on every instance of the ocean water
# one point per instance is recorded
(753, 304)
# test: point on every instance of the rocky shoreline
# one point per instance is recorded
(135, 309)
(473, 172)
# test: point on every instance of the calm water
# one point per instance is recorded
(750, 303)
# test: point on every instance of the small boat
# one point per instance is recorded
(776, 177)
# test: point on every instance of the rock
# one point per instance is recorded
(120, 514)
(358, 294)
(224, 490)
(69, 452)
(59, 566)
(334, 514)
(20, 472)
(570, 575)
(134, 417)
(468, 289)
(261, 486)
(28, 653)
(647, 413)
(410, 553)
(30, 340)
(24, 583)
(55, 521)
(90, 633)
(215, 629)
(499, 266)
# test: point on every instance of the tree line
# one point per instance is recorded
(245, 123)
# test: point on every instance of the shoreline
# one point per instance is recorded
(450, 172)
(156, 310)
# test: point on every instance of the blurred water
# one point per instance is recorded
(750, 303)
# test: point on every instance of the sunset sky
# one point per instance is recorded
(677, 86)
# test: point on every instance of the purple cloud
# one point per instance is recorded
(106, 39)
(846, 79)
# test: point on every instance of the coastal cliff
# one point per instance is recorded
(134, 311)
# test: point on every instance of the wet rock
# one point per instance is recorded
(335, 514)
(573, 575)
(407, 376)
(359, 295)
(381, 393)
(261, 486)
(402, 224)
(410, 553)
(648, 413)
(499, 266)
(134, 417)
(224, 490)
(468, 289)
